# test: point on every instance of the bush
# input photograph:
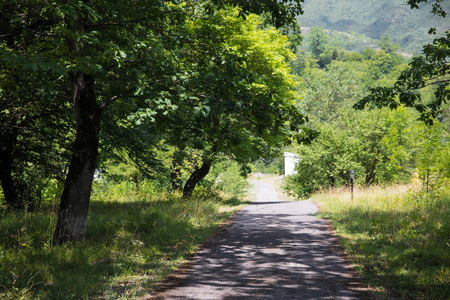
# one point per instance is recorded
(231, 180)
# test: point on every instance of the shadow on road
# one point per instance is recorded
(273, 250)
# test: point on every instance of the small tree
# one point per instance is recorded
(239, 98)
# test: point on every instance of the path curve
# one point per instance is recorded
(273, 250)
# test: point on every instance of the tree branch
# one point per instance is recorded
(112, 99)
(428, 84)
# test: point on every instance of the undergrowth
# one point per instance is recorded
(398, 237)
(134, 238)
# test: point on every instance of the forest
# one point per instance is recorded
(128, 130)
(359, 24)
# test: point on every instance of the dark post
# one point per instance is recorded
(352, 176)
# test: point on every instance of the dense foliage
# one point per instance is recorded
(381, 146)
(87, 82)
(429, 70)
(141, 102)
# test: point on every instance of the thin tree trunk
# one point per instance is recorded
(75, 198)
(195, 177)
(370, 172)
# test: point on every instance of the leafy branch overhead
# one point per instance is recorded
(431, 69)
(437, 7)
(129, 74)
(279, 13)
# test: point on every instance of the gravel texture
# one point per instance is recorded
(272, 250)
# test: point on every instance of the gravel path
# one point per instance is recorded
(272, 250)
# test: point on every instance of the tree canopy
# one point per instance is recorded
(168, 70)
(237, 97)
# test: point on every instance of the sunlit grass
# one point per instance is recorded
(134, 238)
(398, 237)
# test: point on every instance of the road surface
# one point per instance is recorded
(273, 250)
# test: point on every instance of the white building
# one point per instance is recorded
(290, 160)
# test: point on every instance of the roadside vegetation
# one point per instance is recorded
(127, 129)
(398, 237)
(396, 230)
(136, 236)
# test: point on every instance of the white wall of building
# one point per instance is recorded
(290, 160)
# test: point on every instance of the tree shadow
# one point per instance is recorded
(141, 238)
(236, 201)
(282, 255)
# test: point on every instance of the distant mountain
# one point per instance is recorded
(374, 18)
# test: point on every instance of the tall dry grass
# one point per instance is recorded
(397, 236)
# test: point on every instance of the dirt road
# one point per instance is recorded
(273, 250)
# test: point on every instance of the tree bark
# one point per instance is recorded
(195, 177)
(74, 206)
(6, 168)
(75, 198)
(370, 172)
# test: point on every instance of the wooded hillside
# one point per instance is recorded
(373, 19)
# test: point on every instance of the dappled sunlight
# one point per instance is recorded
(130, 243)
(273, 249)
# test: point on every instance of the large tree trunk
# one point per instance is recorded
(6, 167)
(195, 177)
(75, 198)
(74, 205)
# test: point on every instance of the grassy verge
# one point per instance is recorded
(397, 237)
(133, 240)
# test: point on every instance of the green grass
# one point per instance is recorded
(397, 237)
(133, 240)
